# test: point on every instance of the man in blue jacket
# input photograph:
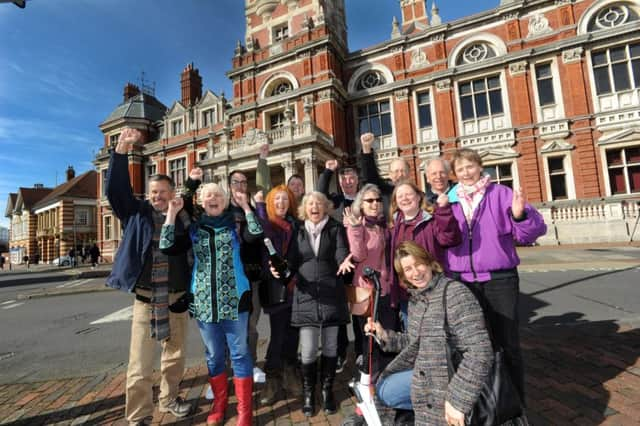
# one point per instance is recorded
(157, 280)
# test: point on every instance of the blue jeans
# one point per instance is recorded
(395, 390)
(233, 334)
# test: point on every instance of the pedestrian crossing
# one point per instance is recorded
(10, 304)
(124, 314)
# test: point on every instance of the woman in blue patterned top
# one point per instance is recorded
(221, 293)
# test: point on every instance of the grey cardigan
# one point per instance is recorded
(422, 350)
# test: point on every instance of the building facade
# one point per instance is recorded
(67, 216)
(547, 91)
(23, 244)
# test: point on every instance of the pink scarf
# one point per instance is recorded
(471, 195)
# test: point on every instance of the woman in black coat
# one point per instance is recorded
(318, 254)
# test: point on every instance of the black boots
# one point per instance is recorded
(328, 375)
(309, 376)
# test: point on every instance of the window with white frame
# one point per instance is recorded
(150, 171)
(277, 120)
(178, 170)
(82, 217)
(113, 140)
(375, 117)
(107, 228)
(623, 166)
(280, 33)
(370, 79)
(544, 84)
(280, 87)
(176, 127)
(611, 16)
(557, 177)
(206, 118)
(103, 177)
(476, 52)
(501, 173)
(481, 97)
(616, 69)
(424, 109)
(202, 156)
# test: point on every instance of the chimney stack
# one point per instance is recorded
(191, 85)
(414, 16)
(130, 90)
(71, 173)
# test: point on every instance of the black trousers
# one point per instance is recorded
(283, 341)
(499, 300)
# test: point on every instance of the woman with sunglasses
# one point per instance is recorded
(368, 238)
(434, 227)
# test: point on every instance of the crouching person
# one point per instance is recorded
(418, 378)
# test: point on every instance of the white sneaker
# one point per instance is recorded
(209, 394)
(258, 375)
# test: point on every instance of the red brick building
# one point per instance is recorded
(548, 91)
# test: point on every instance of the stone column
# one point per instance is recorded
(310, 174)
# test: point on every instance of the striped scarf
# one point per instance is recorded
(159, 284)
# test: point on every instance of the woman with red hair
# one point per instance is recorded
(277, 215)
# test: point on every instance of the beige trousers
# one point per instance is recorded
(139, 393)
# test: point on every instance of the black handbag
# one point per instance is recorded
(272, 292)
(499, 400)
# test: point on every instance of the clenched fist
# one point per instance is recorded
(127, 139)
(366, 140)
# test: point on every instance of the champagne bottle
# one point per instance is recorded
(277, 261)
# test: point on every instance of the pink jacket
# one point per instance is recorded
(368, 246)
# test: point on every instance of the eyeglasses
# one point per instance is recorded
(372, 200)
(239, 182)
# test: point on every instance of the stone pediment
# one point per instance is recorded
(497, 154)
(626, 135)
(176, 109)
(209, 99)
(556, 146)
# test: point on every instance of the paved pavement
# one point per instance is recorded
(582, 373)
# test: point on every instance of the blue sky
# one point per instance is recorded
(64, 63)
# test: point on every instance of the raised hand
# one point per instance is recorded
(366, 140)
(175, 206)
(348, 218)
(196, 174)
(331, 164)
(443, 200)
(259, 197)
(518, 203)
(264, 151)
(127, 139)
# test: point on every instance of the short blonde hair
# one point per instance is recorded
(302, 214)
(468, 154)
(214, 188)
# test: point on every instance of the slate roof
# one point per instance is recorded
(139, 106)
(83, 186)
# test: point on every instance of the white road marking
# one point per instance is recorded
(14, 305)
(7, 302)
(74, 283)
(124, 314)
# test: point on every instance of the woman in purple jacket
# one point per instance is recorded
(492, 219)
(432, 226)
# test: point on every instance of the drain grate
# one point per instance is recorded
(87, 330)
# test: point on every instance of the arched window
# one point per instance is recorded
(370, 79)
(475, 53)
(612, 16)
(282, 86)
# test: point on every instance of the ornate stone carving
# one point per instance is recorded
(418, 58)
(443, 85)
(401, 94)
(572, 55)
(510, 16)
(250, 115)
(517, 68)
(538, 25)
(437, 37)
(324, 95)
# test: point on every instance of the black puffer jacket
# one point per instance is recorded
(319, 297)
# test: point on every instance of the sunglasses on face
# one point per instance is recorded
(372, 200)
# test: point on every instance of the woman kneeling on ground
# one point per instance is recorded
(418, 378)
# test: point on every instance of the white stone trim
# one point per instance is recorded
(496, 43)
(387, 142)
(583, 22)
(558, 107)
(434, 122)
(388, 75)
(279, 75)
(50, 207)
(603, 161)
(568, 172)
